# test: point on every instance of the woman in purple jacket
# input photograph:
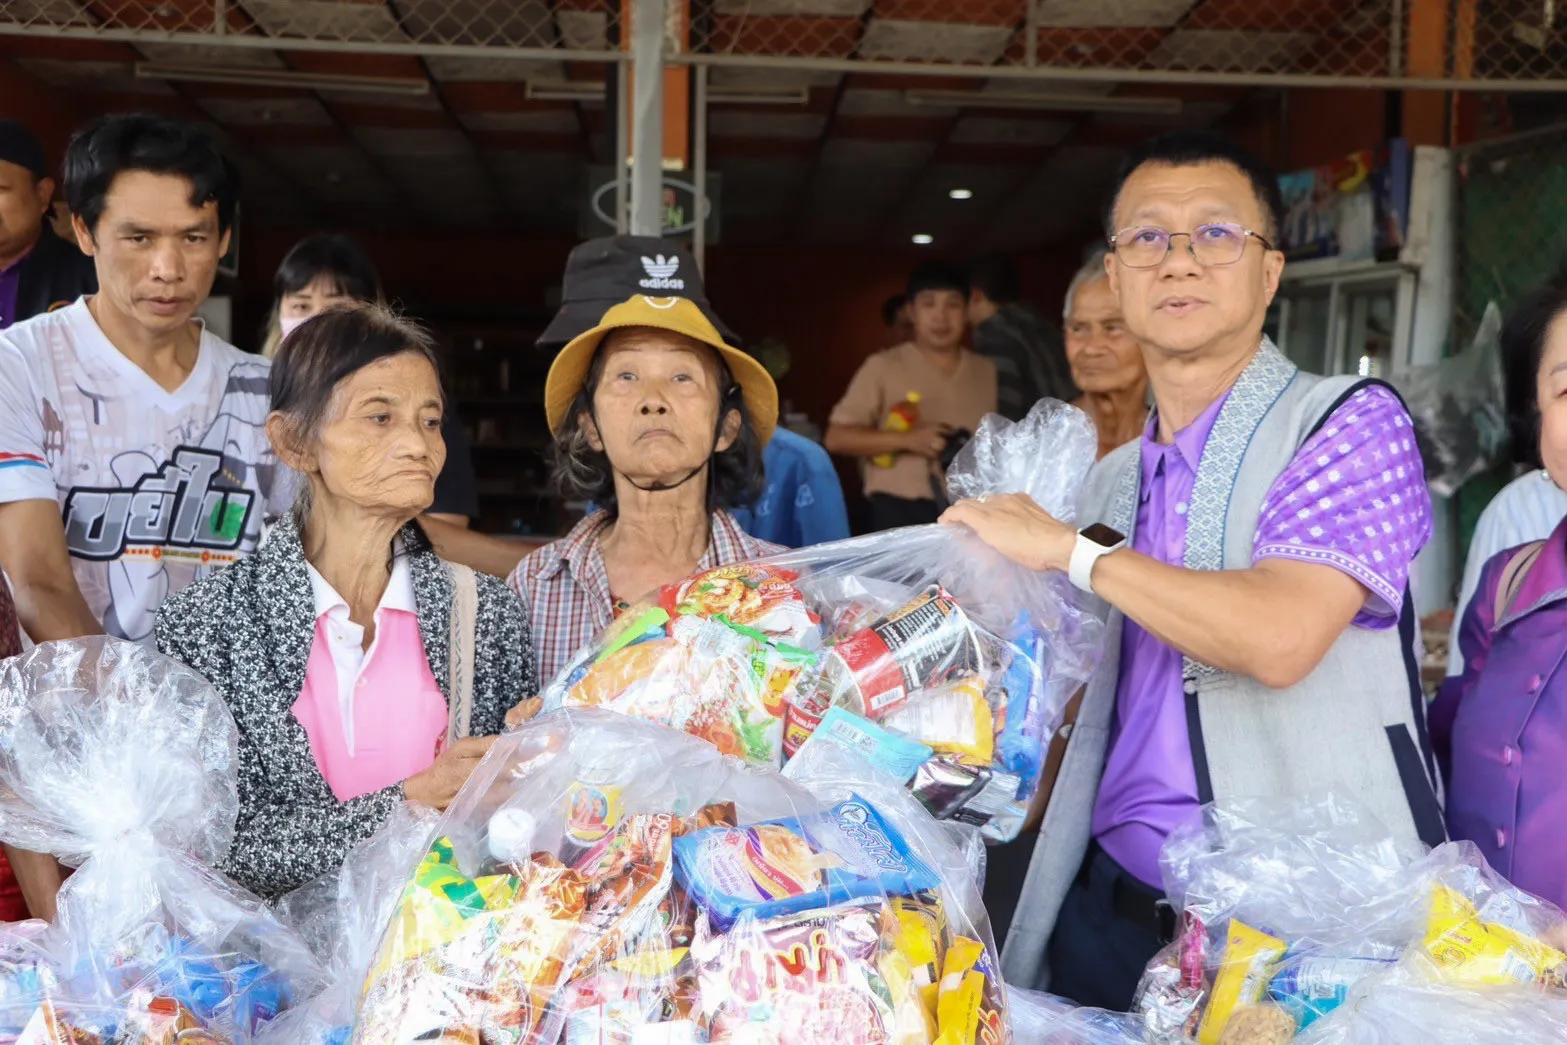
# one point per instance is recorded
(1501, 727)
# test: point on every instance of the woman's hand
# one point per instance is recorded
(1018, 528)
(524, 710)
(438, 785)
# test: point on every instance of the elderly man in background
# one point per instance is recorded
(1259, 624)
(1106, 360)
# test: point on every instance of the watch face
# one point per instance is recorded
(1103, 535)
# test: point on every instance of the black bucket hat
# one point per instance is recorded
(603, 273)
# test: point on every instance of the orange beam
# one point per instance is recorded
(1426, 112)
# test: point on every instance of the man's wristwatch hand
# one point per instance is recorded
(1093, 543)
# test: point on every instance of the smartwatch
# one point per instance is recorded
(1092, 543)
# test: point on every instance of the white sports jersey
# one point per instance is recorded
(158, 489)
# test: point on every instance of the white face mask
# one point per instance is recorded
(288, 324)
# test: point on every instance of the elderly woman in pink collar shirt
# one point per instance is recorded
(1500, 728)
(361, 669)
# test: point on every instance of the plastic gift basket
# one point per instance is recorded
(942, 661)
(1305, 919)
(609, 880)
(121, 763)
(342, 916)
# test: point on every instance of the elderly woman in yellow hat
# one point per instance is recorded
(661, 424)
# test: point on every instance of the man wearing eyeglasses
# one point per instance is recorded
(1260, 630)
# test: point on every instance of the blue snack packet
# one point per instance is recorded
(1020, 747)
(885, 750)
(790, 865)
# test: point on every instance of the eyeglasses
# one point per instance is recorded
(1145, 246)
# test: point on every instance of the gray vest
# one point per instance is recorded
(1356, 725)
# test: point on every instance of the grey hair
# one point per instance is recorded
(1092, 269)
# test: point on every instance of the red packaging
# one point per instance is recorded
(917, 646)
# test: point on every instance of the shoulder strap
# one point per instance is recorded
(465, 613)
(1512, 578)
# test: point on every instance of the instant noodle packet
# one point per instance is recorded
(1465, 948)
(785, 866)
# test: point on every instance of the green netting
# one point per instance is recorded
(1512, 234)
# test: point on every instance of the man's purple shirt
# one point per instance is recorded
(1353, 497)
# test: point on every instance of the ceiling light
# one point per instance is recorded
(409, 85)
(924, 239)
(593, 91)
(1057, 102)
(962, 194)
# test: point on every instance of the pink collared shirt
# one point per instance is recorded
(374, 717)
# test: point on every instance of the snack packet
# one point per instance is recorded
(784, 866)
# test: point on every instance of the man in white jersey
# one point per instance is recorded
(133, 457)
(133, 454)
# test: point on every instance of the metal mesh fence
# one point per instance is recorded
(1512, 202)
(587, 26)
(1459, 41)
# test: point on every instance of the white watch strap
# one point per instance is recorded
(1081, 568)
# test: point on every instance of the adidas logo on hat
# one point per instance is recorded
(661, 273)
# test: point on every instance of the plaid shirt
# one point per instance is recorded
(565, 588)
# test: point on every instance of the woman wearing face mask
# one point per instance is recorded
(330, 270)
(360, 668)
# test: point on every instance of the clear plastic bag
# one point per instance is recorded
(1294, 914)
(604, 879)
(1043, 1019)
(1459, 408)
(342, 917)
(121, 761)
(938, 658)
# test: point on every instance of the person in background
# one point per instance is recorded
(360, 669)
(802, 503)
(1500, 726)
(1030, 360)
(955, 389)
(1258, 606)
(895, 317)
(1528, 508)
(330, 270)
(661, 423)
(38, 270)
(133, 453)
(1106, 360)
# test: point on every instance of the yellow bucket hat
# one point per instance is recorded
(681, 316)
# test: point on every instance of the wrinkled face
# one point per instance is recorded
(1103, 354)
(318, 295)
(22, 205)
(939, 317)
(380, 447)
(656, 404)
(1179, 307)
(1553, 401)
(156, 254)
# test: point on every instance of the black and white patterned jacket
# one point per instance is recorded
(249, 631)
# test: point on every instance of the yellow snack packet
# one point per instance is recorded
(440, 905)
(1466, 949)
(953, 720)
(920, 937)
(1245, 970)
(969, 1004)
